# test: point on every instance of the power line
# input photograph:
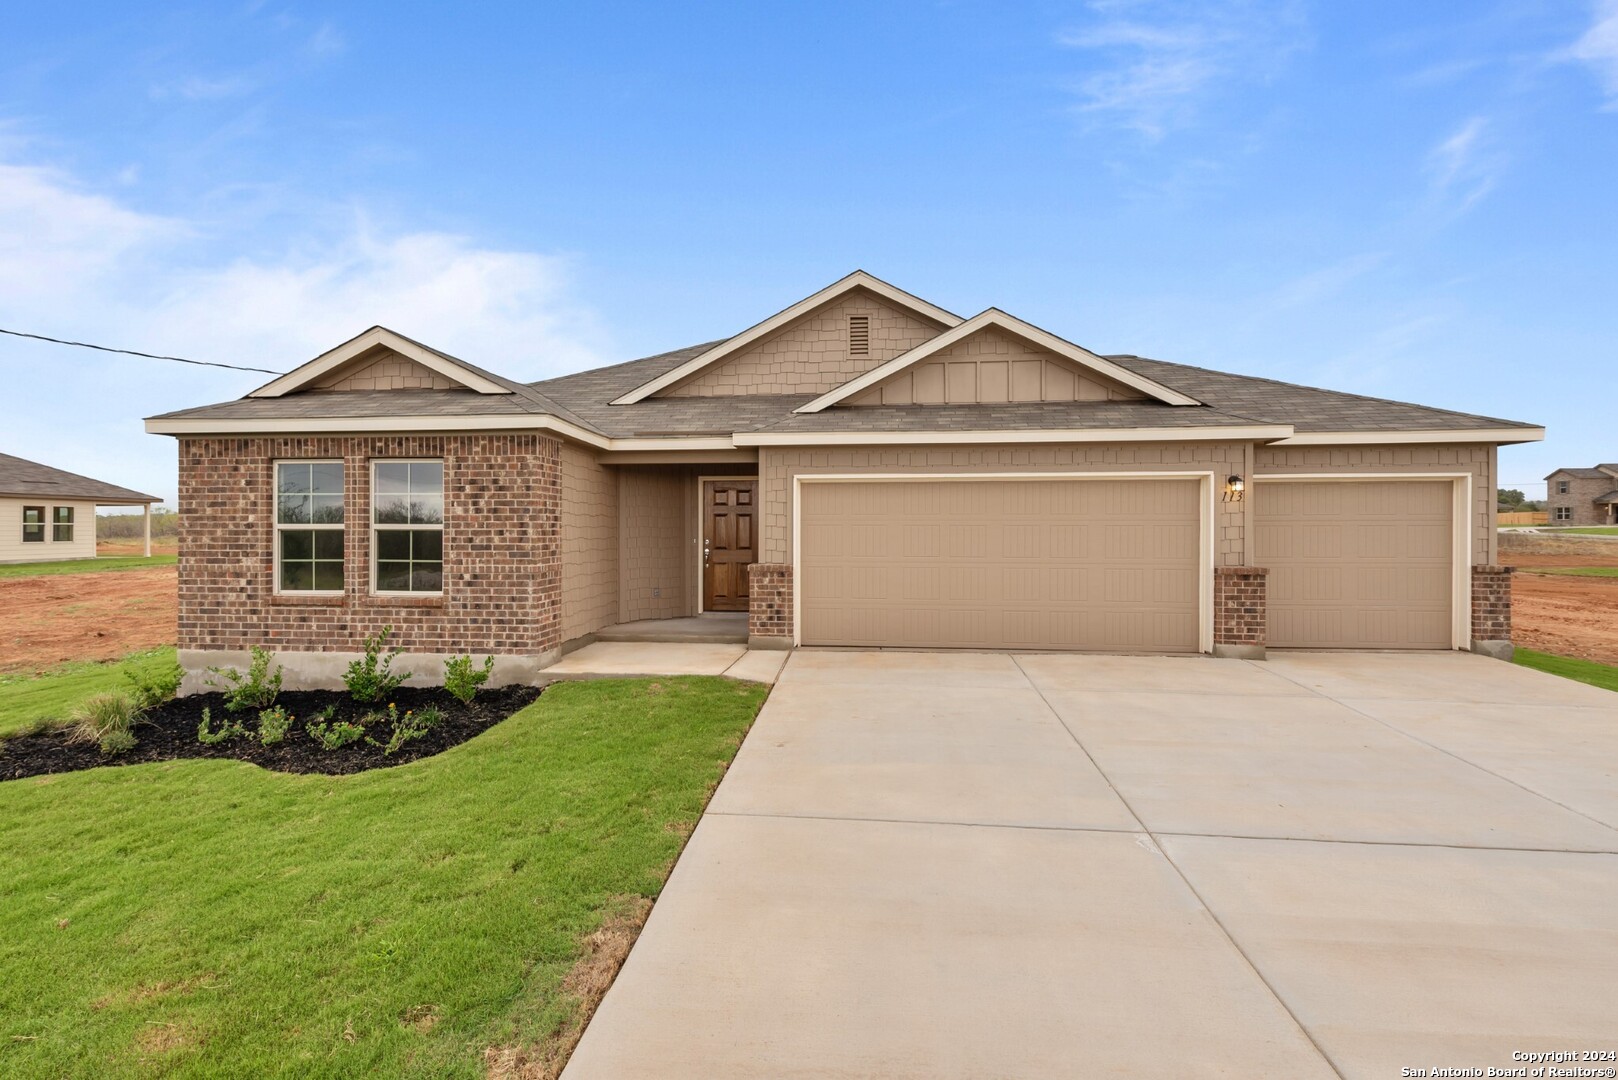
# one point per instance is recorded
(132, 352)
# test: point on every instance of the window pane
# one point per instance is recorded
(392, 476)
(293, 510)
(62, 534)
(297, 544)
(329, 576)
(426, 477)
(392, 510)
(328, 544)
(426, 509)
(292, 477)
(296, 576)
(326, 477)
(33, 514)
(33, 534)
(63, 515)
(427, 577)
(327, 509)
(393, 577)
(392, 544)
(427, 544)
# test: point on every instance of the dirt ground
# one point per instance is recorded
(1569, 616)
(90, 616)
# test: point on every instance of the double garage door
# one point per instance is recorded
(1115, 565)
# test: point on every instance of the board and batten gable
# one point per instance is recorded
(12, 548)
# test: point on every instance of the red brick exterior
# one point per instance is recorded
(769, 612)
(1491, 603)
(1240, 611)
(502, 547)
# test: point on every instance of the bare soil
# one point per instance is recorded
(54, 618)
(1568, 616)
(109, 549)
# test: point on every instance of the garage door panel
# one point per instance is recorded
(1356, 564)
(1072, 564)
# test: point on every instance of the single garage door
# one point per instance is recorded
(1001, 564)
(1357, 564)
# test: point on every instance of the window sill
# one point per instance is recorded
(309, 599)
(404, 600)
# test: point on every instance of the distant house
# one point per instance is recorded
(48, 514)
(1583, 496)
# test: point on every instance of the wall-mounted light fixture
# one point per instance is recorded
(1235, 486)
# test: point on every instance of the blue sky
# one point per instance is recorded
(1409, 201)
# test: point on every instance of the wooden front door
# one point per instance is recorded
(727, 542)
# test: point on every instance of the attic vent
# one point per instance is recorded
(859, 335)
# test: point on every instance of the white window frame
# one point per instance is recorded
(56, 524)
(1563, 486)
(370, 515)
(1562, 513)
(275, 517)
(43, 523)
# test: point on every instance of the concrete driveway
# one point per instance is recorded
(975, 865)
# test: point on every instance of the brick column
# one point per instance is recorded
(1491, 611)
(1241, 620)
(769, 614)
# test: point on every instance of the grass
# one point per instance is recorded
(208, 918)
(1573, 571)
(1585, 671)
(27, 698)
(1594, 530)
(85, 566)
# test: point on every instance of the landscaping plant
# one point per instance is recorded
(462, 679)
(153, 688)
(373, 678)
(228, 729)
(407, 726)
(257, 689)
(273, 725)
(105, 719)
(336, 734)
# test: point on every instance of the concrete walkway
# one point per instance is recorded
(973, 865)
(621, 658)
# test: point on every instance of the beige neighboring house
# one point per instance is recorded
(49, 514)
(861, 468)
(1583, 496)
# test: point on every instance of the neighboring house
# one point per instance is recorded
(48, 514)
(863, 468)
(1583, 496)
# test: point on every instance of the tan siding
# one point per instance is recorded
(1397, 459)
(989, 367)
(589, 543)
(12, 549)
(1053, 564)
(777, 467)
(388, 371)
(810, 355)
(656, 516)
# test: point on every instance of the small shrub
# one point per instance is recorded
(373, 678)
(257, 689)
(152, 690)
(114, 743)
(406, 726)
(336, 734)
(229, 728)
(273, 725)
(463, 680)
(100, 715)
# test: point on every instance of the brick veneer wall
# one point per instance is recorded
(1240, 606)
(769, 613)
(1491, 603)
(502, 548)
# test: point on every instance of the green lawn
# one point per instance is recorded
(1573, 571)
(1594, 530)
(85, 566)
(1585, 671)
(26, 697)
(209, 918)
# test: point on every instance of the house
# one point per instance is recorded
(49, 514)
(861, 468)
(1583, 496)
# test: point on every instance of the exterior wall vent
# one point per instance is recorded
(859, 335)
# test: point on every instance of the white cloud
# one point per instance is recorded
(1599, 49)
(1463, 166)
(201, 88)
(1155, 60)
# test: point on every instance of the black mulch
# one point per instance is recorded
(170, 732)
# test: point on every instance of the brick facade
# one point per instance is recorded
(1240, 611)
(502, 548)
(769, 613)
(1491, 603)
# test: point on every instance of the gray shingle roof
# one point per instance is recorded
(1580, 474)
(26, 479)
(1015, 416)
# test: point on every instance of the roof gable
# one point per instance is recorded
(329, 366)
(1107, 372)
(859, 279)
(30, 480)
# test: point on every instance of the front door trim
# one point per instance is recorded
(702, 528)
(1461, 545)
(1205, 504)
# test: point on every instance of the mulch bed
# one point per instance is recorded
(170, 732)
